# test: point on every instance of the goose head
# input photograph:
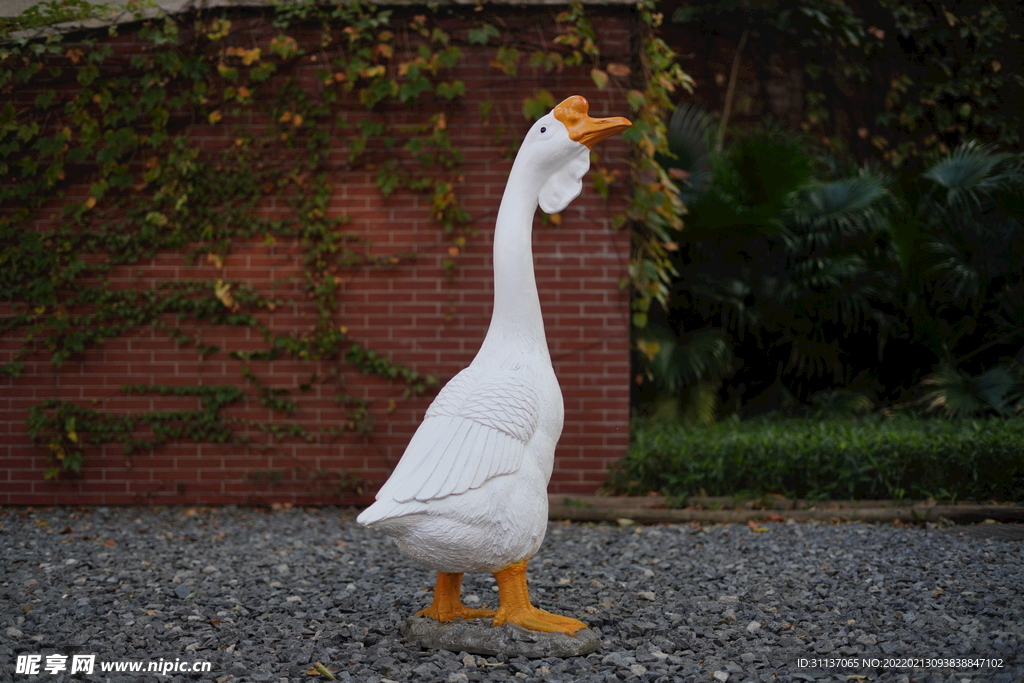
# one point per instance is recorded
(556, 151)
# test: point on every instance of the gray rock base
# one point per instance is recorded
(479, 637)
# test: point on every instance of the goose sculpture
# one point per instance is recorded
(470, 491)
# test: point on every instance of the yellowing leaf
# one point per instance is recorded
(285, 46)
(215, 116)
(249, 57)
(599, 77)
(219, 28)
(373, 71)
(156, 218)
(619, 70)
(223, 292)
(555, 218)
(649, 349)
(322, 670)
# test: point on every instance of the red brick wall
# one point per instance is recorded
(412, 313)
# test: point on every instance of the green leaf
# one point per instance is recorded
(482, 34)
(450, 91)
(506, 59)
(537, 105)
(636, 99)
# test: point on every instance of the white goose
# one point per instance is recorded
(470, 492)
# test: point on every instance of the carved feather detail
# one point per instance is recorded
(476, 429)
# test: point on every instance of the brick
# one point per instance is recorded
(412, 313)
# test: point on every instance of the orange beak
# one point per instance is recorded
(585, 130)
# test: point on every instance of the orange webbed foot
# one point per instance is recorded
(536, 619)
(447, 604)
(516, 608)
(459, 611)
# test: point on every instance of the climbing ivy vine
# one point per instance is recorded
(903, 82)
(78, 111)
(949, 84)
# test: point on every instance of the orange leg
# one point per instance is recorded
(447, 604)
(516, 607)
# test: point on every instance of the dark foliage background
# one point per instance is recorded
(855, 198)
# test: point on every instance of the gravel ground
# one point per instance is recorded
(263, 595)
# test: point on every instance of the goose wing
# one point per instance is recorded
(476, 429)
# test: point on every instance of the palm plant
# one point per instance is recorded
(778, 265)
(840, 289)
(687, 370)
(957, 394)
(976, 176)
(965, 293)
(973, 234)
(689, 138)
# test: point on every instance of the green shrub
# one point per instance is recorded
(839, 459)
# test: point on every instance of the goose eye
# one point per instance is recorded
(543, 129)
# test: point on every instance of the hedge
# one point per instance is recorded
(898, 458)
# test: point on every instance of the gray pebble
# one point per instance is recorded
(277, 592)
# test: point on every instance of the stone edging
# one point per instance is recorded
(650, 510)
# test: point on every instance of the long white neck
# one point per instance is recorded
(516, 321)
